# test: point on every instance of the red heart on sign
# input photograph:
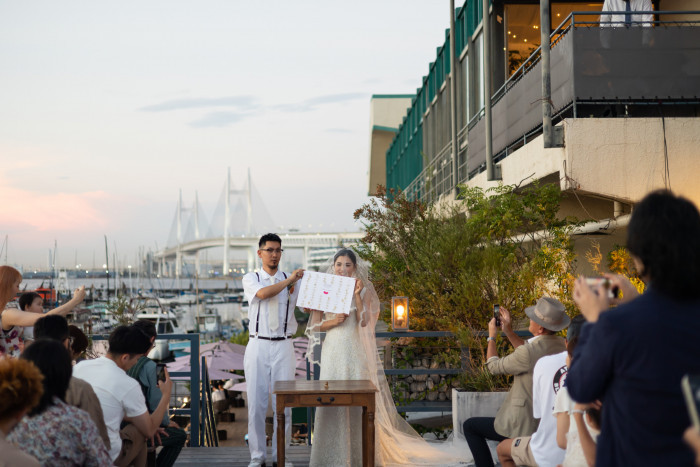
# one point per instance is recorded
(325, 292)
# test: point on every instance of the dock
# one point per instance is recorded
(237, 456)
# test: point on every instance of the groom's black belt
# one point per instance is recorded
(271, 338)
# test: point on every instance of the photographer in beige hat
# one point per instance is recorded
(515, 417)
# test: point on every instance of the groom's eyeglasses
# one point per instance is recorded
(272, 250)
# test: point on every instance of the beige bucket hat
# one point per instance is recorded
(549, 313)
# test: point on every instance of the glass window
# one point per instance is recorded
(561, 10)
(522, 29)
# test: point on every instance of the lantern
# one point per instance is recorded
(399, 313)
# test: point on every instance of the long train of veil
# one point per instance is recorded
(397, 442)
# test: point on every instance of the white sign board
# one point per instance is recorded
(326, 292)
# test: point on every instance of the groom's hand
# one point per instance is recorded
(296, 275)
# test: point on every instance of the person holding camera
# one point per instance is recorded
(633, 357)
(515, 417)
(121, 397)
(169, 434)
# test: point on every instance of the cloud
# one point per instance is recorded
(202, 102)
(243, 107)
(314, 102)
(219, 119)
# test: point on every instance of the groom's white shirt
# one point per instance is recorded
(251, 285)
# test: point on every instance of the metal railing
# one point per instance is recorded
(434, 180)
(417, 406)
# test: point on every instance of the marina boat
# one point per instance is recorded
(165, 320)
(209, 324)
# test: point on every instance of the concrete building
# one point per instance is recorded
(625, 100)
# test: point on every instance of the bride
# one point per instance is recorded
(349, 352)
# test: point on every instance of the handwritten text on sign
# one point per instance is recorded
(326, 292)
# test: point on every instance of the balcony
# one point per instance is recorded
(645, 70)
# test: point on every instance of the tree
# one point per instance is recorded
(454, 261)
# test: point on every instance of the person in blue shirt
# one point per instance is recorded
(632, 357)
(169, 435)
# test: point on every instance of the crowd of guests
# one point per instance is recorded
(608, 394)
(57, 409)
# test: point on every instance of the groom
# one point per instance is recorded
(269, 356)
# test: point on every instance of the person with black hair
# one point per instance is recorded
(121, 396)
(633, 357)
(54, 432)
(170, 435)
(79, 394)
(78, 343)
(33, 303)
(269, 355)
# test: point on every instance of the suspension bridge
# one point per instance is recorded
(239, 220)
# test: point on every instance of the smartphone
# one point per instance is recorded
(160, 371)
(690, 384)
(497, 314)
(613, 291)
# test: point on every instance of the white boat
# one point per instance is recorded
(209, 323)
(165, 320)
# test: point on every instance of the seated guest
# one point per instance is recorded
(79, 342)
(121, 397)
(33, 303)
(20, 391)
(548, 378)
(514, 419)
(13, 320)
(172, 437)
(80, 393)
(580, 448)
(218, 399)
(54, 432)
(632, 358)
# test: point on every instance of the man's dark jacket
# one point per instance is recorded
(633, 359)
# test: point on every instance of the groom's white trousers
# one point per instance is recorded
(264, 363)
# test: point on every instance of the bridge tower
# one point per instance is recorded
(247, 192)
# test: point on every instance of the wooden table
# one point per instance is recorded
(319, 393)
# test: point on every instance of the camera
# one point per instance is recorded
(497, 314)
(612, 291)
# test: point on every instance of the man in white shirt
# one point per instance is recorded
(541, 449)
(121, 396)
(626, 19)
(269, 356)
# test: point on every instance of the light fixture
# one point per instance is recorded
(399, 314)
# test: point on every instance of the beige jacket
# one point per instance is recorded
(514, 418)
(81, 395)
(12, 456)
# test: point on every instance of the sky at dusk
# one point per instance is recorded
(108, 109)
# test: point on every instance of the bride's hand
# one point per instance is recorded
(340, 319)
(359, 286)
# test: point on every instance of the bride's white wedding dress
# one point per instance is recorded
(349, 352)
(337, 430)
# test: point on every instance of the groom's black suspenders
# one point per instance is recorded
(286, 317)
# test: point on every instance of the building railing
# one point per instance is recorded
(416, 406)
(517, 117)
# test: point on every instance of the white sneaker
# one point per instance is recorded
(257, 463)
